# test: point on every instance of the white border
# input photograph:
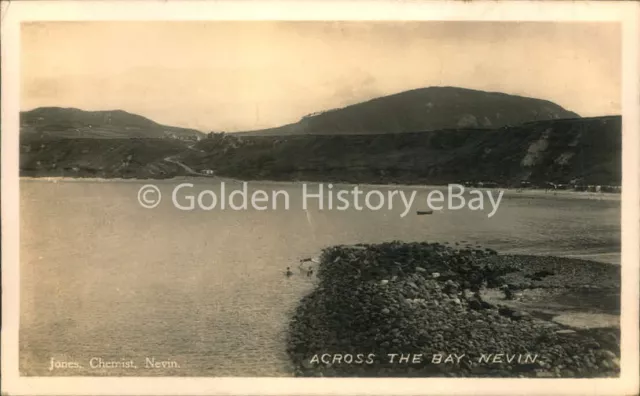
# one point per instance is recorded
(628, 13)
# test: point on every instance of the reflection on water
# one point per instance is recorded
(103, 277)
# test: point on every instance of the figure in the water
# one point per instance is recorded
(310, 272)
(288, 273)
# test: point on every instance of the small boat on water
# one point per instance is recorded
(424, 212)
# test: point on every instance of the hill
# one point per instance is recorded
(588, 150)
(425, 109)
(73, 123)
(580, 150)
(104, 158)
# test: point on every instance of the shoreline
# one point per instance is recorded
(417, 298)
(510, 192)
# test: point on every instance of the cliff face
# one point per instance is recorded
(426, 109)
(586, 149)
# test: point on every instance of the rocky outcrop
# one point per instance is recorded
(421, 299)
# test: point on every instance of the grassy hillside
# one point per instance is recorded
(558, 151)
(75, 123)
(107, 158)
(426, 109)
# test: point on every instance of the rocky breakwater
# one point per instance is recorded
(416, 310)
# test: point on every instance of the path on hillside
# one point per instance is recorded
(183, 166)
(193, 172)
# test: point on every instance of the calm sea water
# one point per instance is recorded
(102, 277)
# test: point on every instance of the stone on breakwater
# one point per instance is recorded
(353, 312)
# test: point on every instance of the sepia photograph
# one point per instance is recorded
(319, 198)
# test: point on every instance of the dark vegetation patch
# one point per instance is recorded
(105, 158)
(586, 151)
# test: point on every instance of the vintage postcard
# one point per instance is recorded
(308, 198)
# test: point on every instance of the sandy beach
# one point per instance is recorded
(508, 192)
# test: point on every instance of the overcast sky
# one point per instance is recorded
(248, 75)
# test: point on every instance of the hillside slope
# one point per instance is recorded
(73, 123)
(425, 109)
(559, 151)
(586, 149)
(105, 158)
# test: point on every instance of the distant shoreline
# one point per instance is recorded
(509, 191)
(578, 155)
